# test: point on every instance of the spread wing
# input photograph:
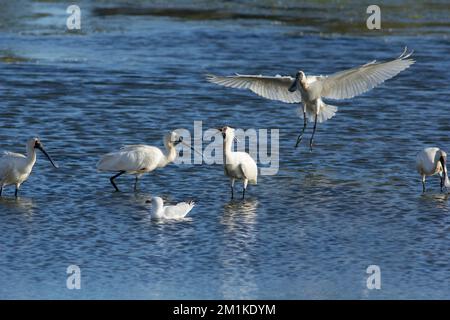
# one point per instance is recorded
(273, 88)
(349, 83)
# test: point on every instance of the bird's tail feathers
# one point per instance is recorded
(326, 112)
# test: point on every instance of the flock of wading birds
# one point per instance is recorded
(308, 90)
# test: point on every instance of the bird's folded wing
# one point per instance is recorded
(11, 155)
(178, 211)
(134, 147)
(349, 83)
(274, 88)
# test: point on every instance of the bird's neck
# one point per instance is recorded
(31, 155)
(157, 211)
(304, 84)
(171, 154)
(227, 145)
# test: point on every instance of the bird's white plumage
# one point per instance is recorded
(432, 161)
(237, 165)
(353, 82)
(178, 211)
(15, 168)
(341, 85)
(132, 159)
(274, 88)
(139, 159)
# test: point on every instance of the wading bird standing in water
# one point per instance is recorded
(431, 161)
(237, 165)
(15, 168)
(139, 159)
(309, 90)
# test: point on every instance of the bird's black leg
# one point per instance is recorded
(16, 193)
(423, 186)
(112, 179)
(136, 183)
(300, 137)
(243, 193)
(232, 192)
(442, 184)
(1, 191)
(312, 136)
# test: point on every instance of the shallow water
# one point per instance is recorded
(308, 232)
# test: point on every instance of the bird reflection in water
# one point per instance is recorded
(237, 255)
(21, 205)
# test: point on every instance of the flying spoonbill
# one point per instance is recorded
(431, 161)
(237, 165)
(309, 90)
(179, 211)
(15, 168)
(140, 159)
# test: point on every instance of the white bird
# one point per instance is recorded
(431, 161)
(179, 211)
(309, 90)
(140, 159)
(15, 168)
(237, 165)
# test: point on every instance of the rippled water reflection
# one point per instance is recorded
(308, 232)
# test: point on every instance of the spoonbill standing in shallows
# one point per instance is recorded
(139, 159)
(179, 211)
(309, 90)
(237, 165)
(431, 161)
(15, 168)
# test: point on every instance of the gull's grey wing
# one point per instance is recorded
(349, 83)
(274, 88)
(178, 211)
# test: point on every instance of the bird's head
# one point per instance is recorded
(36, 143)
(226, 132)
(299, 77)
(172, 139)
(157, 202)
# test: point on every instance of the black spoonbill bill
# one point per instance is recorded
(309, 89)
(15, 168)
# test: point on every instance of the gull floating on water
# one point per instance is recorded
(431, 161)
(15, 168)
(139, 159)
(309, 90)
(179, 211)
(237, 165)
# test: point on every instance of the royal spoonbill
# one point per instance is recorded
(139, 159)
(237, 165)
(160, 211)
(431, 161)
(15, 168)
(309, 90)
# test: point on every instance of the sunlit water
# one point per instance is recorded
(308, 232)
